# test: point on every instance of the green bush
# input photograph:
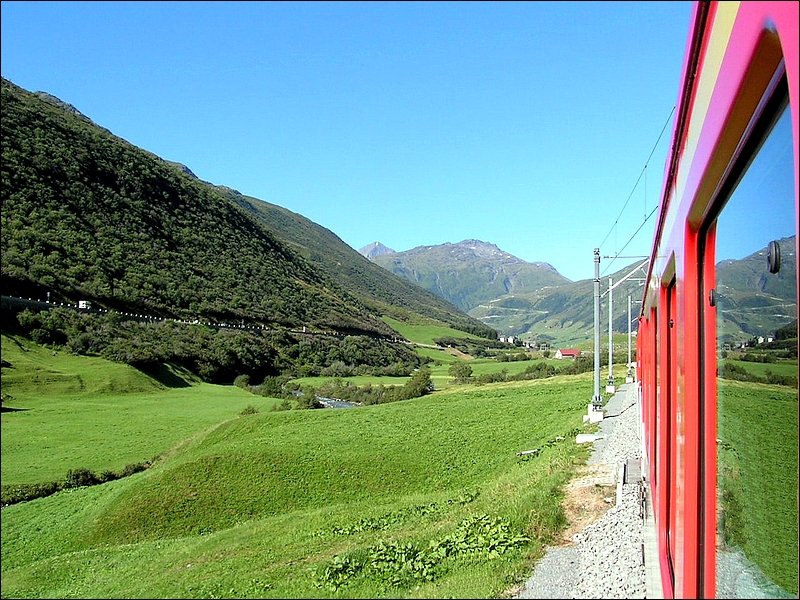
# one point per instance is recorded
(75, 478)
(461, 372)
(80, 477)
(132, 468)
(11, 494)
(400, 564)
(242, 381)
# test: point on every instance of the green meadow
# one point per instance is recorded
(440, 371)
(758, 457)
(420, 498)
(62, 412)
(781, 367)
(425, 333)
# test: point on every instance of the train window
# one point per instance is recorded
(757, 395)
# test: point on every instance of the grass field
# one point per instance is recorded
(425, 334)
(758, 458)
(440, 373)
(437, 355)
(782, 367)
(67, 407)
(421, 498)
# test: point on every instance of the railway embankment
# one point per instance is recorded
(602, 554)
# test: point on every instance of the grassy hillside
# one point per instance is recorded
(425, 333)
(564, 315)
(295, 504)
(63, 412)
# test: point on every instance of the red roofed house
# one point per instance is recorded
(568, 353)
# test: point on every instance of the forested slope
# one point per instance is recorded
(87, 215)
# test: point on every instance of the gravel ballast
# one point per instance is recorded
(605, 558)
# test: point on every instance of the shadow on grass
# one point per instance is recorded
(168, 375)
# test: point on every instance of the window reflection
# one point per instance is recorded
(757, 398)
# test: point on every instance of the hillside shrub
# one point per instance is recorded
(308, 401)
(582, 364)
(497, 377)
(729, 370)
(282, 405)
(11, 494)
(777, 379)
(758, 358)
(133, 468)
(540, 370)
(460, 372)
(80, 477)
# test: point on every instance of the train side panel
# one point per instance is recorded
(740, 83)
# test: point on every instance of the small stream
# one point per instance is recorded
(334, 403)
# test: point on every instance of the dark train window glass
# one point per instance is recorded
(757, 394)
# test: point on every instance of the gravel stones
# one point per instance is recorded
(605, 558)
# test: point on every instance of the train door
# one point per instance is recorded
(665, 417)
(752, 394)
(670, 382)
(652, 396)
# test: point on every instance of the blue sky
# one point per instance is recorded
(526, 125)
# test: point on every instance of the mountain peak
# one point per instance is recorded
(471, 272)
(375, 249)
(487, 250)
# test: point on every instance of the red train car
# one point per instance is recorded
(717, 341)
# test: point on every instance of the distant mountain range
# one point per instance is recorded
(750, 300)
(535, 302)
(470, 273)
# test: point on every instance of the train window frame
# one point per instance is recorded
(769, 110)
(773, 104)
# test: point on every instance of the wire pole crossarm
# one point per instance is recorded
(630, 274)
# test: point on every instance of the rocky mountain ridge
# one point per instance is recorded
(500, 290)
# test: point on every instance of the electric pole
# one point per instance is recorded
(629, 376)
(610, 387)
(597, 400)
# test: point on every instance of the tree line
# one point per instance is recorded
(215, 355)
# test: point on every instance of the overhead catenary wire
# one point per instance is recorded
(630, 239)
(642, 173)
